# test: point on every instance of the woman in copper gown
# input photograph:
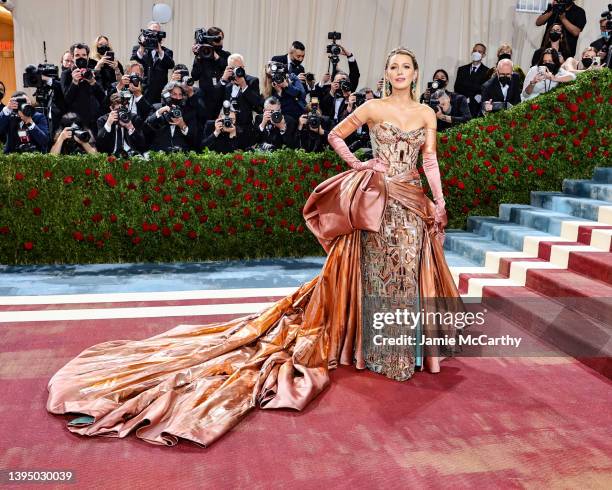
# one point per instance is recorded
(383, 237)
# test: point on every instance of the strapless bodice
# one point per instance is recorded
(397, 147)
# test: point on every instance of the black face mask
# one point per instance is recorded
(504, 80)
(296, 62)
(81, 63)
(441, 83)
(504, 56)
(586, 62)
(218, 49)
(555, 36)
(102, 50)
(177, 102)
(551, 68)
(1, 95)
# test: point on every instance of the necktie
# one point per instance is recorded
(119, 146)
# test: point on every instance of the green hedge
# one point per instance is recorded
(209, 206)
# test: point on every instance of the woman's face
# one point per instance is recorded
(401, 72)
(547, 59)
(557, 28)
(588, 53)
(440, 76)
(102, 42)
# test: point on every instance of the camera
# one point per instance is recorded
(345, 85)
(175, 112)
(360, 98)
(276, 116)
(32, 76)
(559, 7)
(436, 84)
(124, 115)
(278, 72)
(149, 39)
(314, 120)
(26, 148)
(203, 40)
(185, 78)
(135, 80)
(24, 106)
(79, 133)
(310, 77)
(238, 73)
(227, 120)
(333, 49)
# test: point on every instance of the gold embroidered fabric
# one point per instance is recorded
(390, 259)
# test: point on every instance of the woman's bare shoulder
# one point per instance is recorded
(370, 110)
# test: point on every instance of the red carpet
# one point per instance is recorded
(491, 423)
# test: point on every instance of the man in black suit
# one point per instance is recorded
(24, 129)
(449, 111)
(323, 88)
(208, 70)
(335, 101)
(503, 90)
(274, 128)
(156, 63)
(293, 60)
(117, 136)
(83, 95)
(173, 133)
(243, 92)
(470, 78)
(133, 82)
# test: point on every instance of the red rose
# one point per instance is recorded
(110, 180)
(33, 194)
(461, 185)
(562, 97)
(153, 227)
(300, 229)
(572, 107)
(48, 174)
(292, 227)
(185, 216)
(36, 211)
(534, 107)
(167, 198)
(136, 240)
(510, 149)
(88, 171)
(146, 178)
(217, 229)
(504, 169)
(259, 222)
(218, 172)
(96, 218)
(126, 166)
(113, 218)
(539, 171)
(209, 171)
(171, 213)
(4, 230)
(155, 208)
(516, 174)
(227, 182)
(444, 140)
(491, 128)
(177, 226)
(530, 168)
(203, 218)
(222, 193)
(187, 163)
(248, 226)
(68, 179)
(161, 179)
(197, 169)
(28, 245)
(179, 174)
(192, 234)
(166, 231)
(232, 230)
(453, 148)
(492, 187)
(130, 231)
(184, 199)
(78, 236)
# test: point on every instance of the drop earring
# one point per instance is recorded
(413, 85)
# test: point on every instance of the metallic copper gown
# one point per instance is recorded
(196, 382)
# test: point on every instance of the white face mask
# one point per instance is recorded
(476, 56)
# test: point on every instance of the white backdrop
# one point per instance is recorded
(440, 32)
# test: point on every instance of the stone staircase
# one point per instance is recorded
(550, 260)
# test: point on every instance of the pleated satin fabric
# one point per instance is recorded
(196, 382)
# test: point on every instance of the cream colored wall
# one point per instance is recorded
(441, 32)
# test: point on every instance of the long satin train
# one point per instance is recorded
(196, 382)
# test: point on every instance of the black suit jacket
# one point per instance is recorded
(223, 143)
(161, 134)
(292, 68)
(39, 135)
(470, 84)
(354, 75)
(271, 134)
(105, 141)
(205, 69)
(491, 90)
(84, 99)
(155, 74)
(247, 102)
(327, 103)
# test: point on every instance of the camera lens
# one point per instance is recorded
(276, 117)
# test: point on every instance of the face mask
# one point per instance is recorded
(504, 80)
(178, 102)
(586, 62)
(504, 56)
(102, 50)
(441, 83)
(1, 95)
(605, 35)
(551, 67)
(476, 56)
(555, 36)
(81, 62)
(218, 49)
(296, 62)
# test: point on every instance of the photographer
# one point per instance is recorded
(555, 39)
(545, 76)
(242, 91)
(48, 94)
(602, 44)
(313, 128)
(503, 90)
(570, 16)
(224, 135)
(133, 81)
(335, 101)
(83, 95)
(72, 138)
(586, 62)
(286, 87)
(209, 62)
(173, 123)
(155, 59)
(108, 69)
(273, 127)
(470, 78)
(293, 61)
(439, 82)
(447, 114)
(24, 129)
(117, 134)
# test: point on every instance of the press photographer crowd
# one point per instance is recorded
(94, 103)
